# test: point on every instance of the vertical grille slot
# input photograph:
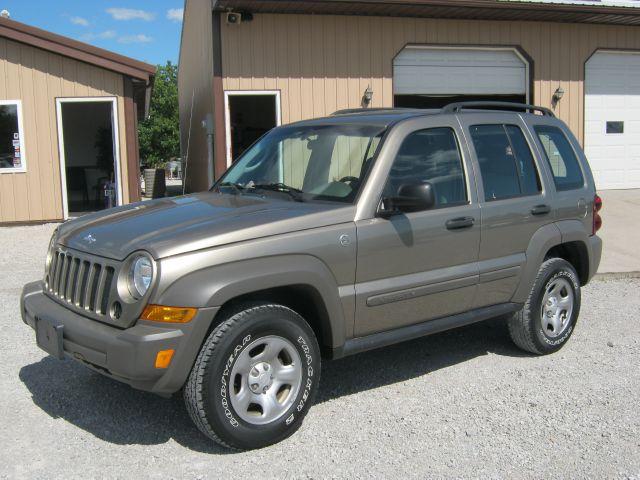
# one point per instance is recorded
(56, 273)
(93, 285)
(82, 284)
(72, 279)
(64, 273)
(105, 288)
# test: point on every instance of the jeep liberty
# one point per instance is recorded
(326, 238)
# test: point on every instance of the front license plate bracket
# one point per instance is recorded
(49, 337)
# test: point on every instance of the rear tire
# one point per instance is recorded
(255, 377)
(551, 311)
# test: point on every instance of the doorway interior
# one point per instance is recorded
(89, 159)
(439, 101)
(249, 115)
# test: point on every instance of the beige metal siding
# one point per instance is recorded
(195, 81)
(37, 78)
(324, 63)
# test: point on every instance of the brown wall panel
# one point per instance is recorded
(37, 78)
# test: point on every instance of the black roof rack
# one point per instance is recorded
(349, 111)
(458, 107)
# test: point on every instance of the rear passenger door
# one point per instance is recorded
(513, 201)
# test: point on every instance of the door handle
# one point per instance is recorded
(460, 222)
(540, 210)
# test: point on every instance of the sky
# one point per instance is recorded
(147, 30)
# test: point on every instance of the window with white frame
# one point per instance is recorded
(11, 137)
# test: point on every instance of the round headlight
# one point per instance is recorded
(140, 276)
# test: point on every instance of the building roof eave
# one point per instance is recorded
(80, 51)
(511, 10)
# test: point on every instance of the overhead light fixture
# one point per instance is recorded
(367, 96)
(558, 94)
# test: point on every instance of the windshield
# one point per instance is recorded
(303, 163)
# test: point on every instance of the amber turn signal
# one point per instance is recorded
(163, 358)
(160, 313)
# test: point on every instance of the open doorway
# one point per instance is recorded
(439, 101)
(249, 115)
(88, 135)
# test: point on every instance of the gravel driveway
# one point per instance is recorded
(465, 403)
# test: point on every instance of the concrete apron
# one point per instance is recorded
(620, 233)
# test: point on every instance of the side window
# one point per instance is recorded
(506, 162)
(11, 137)
(561, 157)
(433, 156)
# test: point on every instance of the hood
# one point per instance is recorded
(171, 226)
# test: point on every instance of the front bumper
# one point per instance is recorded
(126, 355)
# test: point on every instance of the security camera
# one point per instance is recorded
(233, 18)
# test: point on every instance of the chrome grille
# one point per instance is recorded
(81, 282)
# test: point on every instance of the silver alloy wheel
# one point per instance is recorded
(265, 379)
(557, 307)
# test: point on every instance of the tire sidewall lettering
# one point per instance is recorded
(225, 381)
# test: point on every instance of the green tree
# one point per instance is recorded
(159, 135)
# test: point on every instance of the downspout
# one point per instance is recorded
(207, 124)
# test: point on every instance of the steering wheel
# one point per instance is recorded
(349, 179)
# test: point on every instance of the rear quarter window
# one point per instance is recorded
(564, 164)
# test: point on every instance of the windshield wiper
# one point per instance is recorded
(294, 193)
(236, 187)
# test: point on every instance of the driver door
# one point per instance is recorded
(422, 265)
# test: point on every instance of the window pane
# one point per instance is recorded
(562, 159)
(10, 154)
(430, 156)
(615, 127)
(529, 179)
(497, 161)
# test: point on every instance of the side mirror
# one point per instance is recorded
(412, 197)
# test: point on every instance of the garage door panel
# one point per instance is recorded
(433, 71)
(612, 93)
(456, 80)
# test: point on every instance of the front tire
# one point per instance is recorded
(255, 377)
(549, 315)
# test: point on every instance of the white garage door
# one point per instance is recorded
(459, 71)
(612, 119)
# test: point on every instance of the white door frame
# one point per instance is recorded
(116, 144)
(419, 46)
(227, 121)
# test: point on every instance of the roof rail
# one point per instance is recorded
(348, 111)
(459, 106)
